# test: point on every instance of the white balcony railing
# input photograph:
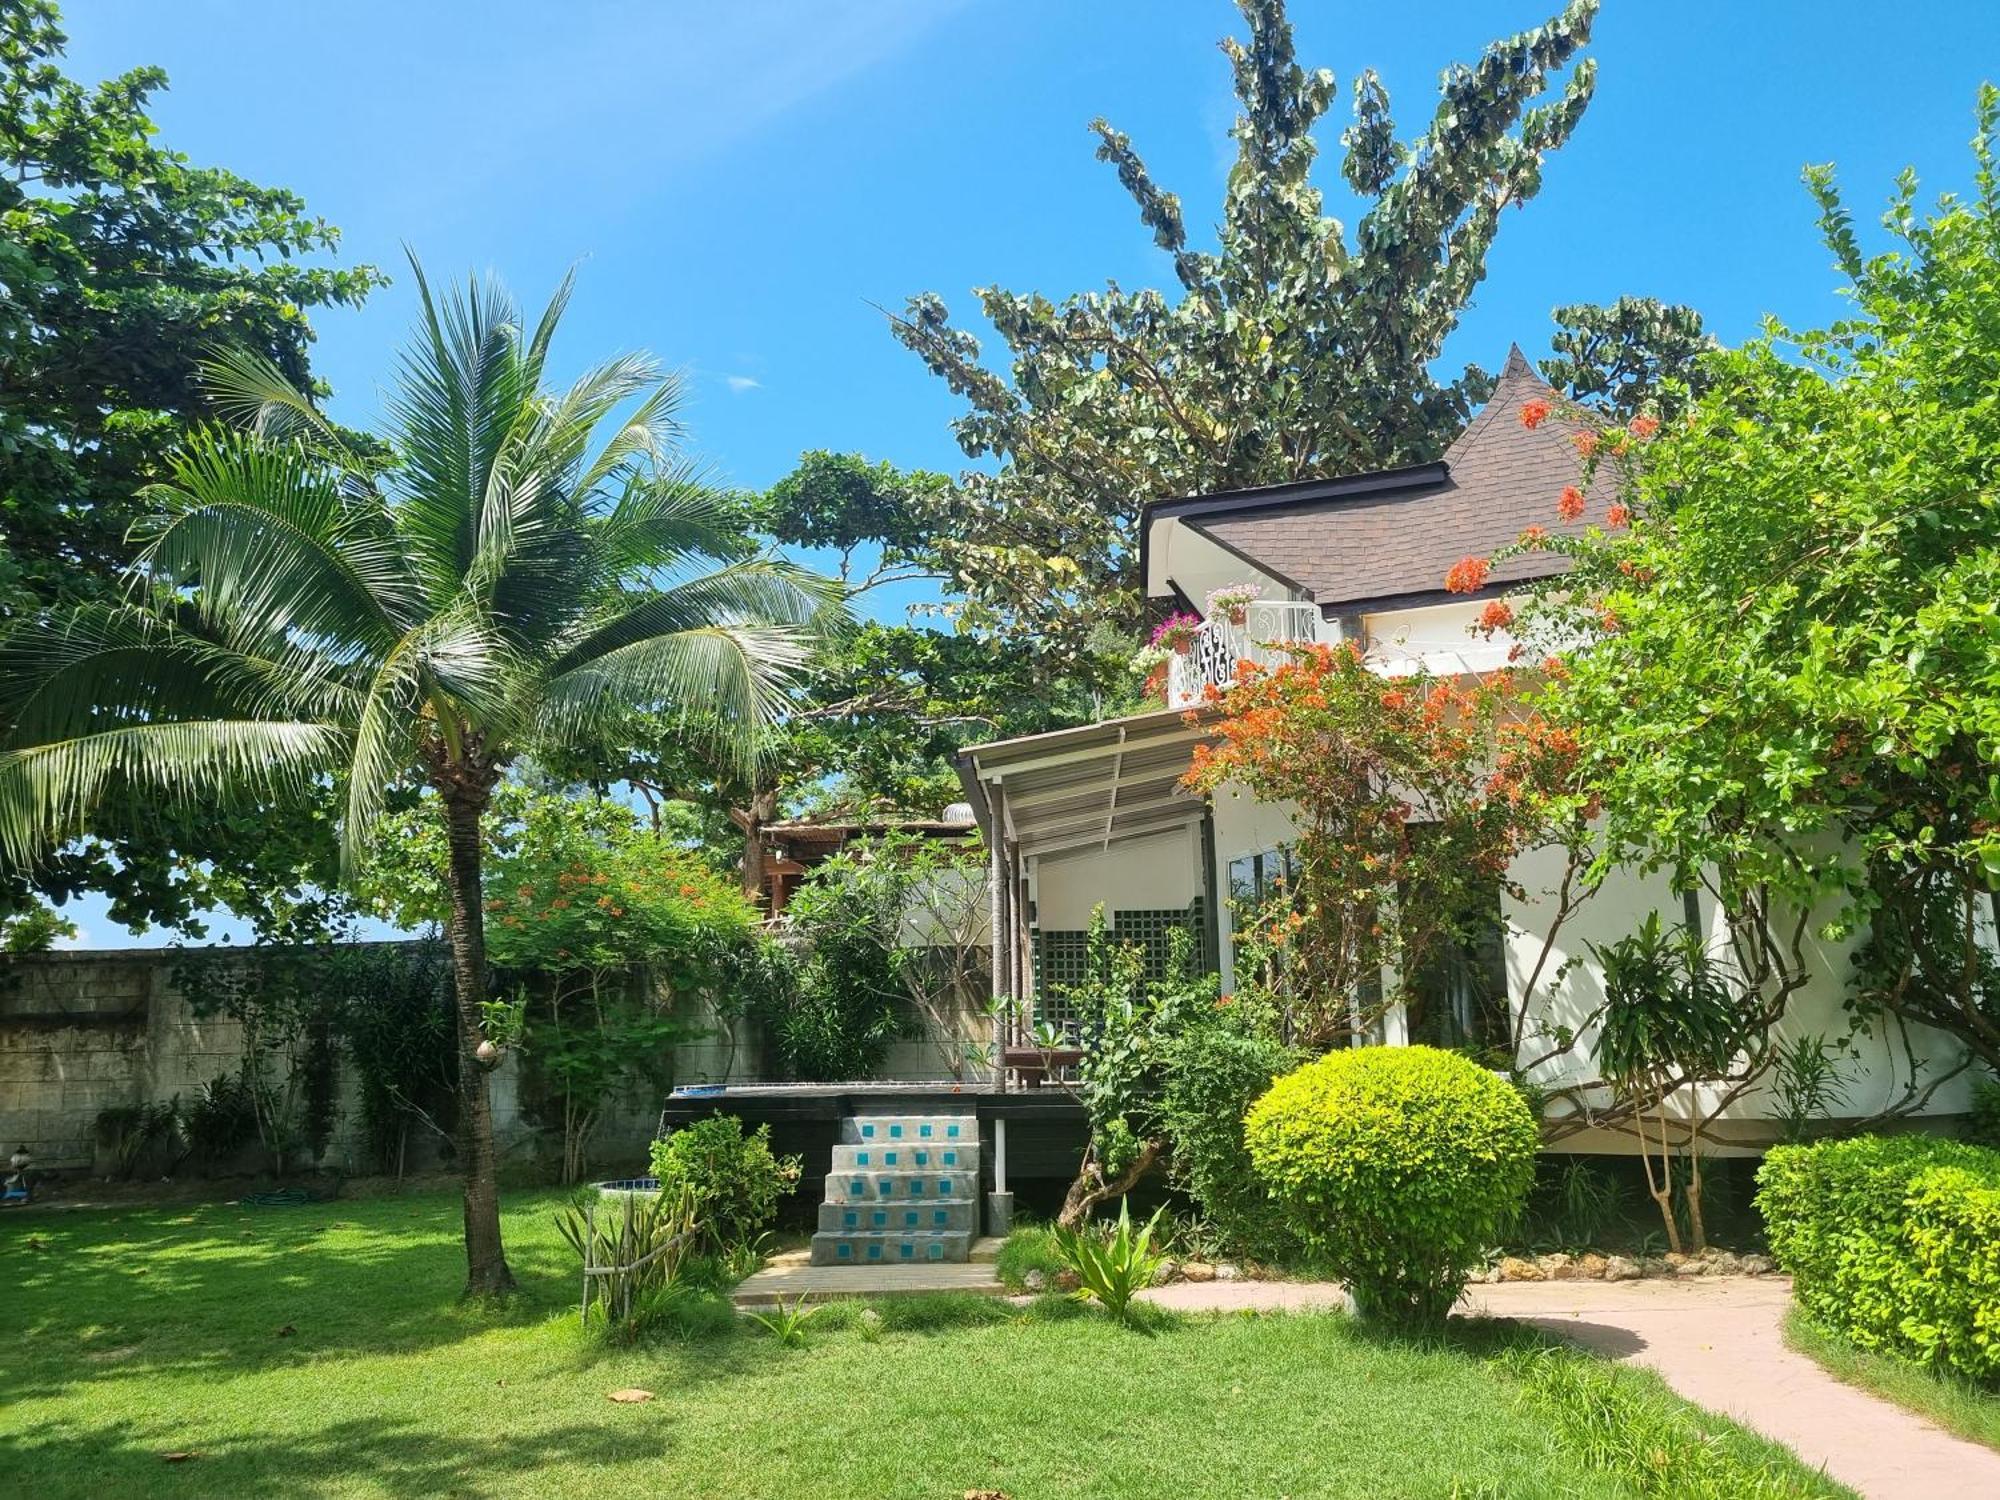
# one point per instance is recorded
(1269, 626)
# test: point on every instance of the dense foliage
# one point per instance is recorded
(732, 1177)
(1401, 1165)
(605, 935)
(889, 934)
(1404, 816)
(122, 268)
(1125, 1022)
(1295, 349)
(1670, 1019)
(1213, 1073)
(306, 609)
(1792, 684)
(1894, 1242)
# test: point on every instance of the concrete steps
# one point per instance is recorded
(904, 1190)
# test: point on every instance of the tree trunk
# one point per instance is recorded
(486, 1271)
(762, 809)
(1091, 1188)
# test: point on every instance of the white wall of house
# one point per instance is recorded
(1879, 1068)
(1157, 873)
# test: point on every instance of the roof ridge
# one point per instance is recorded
(1518, 379)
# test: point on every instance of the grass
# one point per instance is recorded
(321, 1352)
(1627, 1424)
(1029, 1247)
(1954, 1403)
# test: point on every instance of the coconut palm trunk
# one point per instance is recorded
(465, 799)
(489, 581)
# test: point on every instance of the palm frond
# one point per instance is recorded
(457, 404)
(249, 390)
(48, 791)
(271, 541)
(108, 665)
(762, 592)
(665, 516)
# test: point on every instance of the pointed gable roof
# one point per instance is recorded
(1389, 549)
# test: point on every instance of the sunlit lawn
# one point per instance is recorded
(320, 1351)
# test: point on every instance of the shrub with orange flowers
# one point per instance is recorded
(602, 933)
(1413, 795)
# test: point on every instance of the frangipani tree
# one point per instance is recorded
(495, 577)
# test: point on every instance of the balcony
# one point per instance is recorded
(1269, 627)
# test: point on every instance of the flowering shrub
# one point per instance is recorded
(1363, 758)
(1468, 575)
(1788, 629)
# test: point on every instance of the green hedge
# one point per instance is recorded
(1401, 1165)
(1894, 1242)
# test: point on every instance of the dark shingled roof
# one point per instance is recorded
(1382, 550)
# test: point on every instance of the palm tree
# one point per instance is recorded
(485, 580)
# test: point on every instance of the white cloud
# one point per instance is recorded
(738, 384)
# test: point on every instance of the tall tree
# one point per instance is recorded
(1293, 350)
(304, 609)
(1637, 356)
(1792, 684)
(123, 266)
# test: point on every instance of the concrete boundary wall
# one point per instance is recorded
(85, 1032)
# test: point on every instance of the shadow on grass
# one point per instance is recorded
(217, 1290)
(395, 1457)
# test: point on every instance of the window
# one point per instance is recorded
(1457, 997)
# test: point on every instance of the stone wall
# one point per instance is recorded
(82, 1033)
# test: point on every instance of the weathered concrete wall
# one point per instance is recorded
(81, 1033)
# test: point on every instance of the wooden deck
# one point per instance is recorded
(790, 1278)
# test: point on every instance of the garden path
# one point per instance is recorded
(1718, 1341)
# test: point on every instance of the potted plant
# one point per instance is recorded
(1232, 602)
(1176, 633)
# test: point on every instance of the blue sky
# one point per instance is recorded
(739, 185)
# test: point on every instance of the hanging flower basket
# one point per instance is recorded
(1177, 633)
(1232, 602)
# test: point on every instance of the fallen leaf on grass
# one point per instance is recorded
(179, 1458)
(630, 1394)
(987, 1495)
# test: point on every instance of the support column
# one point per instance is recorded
(999, 1202)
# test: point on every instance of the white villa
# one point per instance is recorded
(1096, 815)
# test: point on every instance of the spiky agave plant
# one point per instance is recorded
(495, 576)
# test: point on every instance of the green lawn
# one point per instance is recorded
(319, 1351)
(1954, 1403)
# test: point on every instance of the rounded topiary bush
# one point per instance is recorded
(1400, 1165)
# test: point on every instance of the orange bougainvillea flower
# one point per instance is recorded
(1467, 575)
(1533, 414)
(1394, 699)
(1569, 504)
(1618, 515)
(1533, 536)
(1586, 443)
(1497, 615)
(1608, 618)
(1644, 427)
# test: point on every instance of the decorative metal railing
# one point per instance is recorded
(1269, 626)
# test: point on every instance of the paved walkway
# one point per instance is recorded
(792, 1277)
(1717, 1341)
